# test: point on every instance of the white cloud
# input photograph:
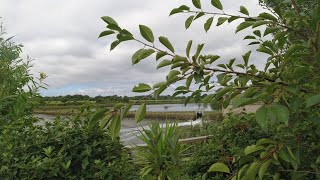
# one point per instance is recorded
(62, 38)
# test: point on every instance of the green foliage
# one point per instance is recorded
(287, 33)
(63, 149)
(229, 138)
(161, 157)
(17, 85)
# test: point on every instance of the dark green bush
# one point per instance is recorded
(62, 149)
(229, 137)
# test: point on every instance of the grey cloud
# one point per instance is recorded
(62, 38)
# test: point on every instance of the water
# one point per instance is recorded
(130, 129)
(174, 107)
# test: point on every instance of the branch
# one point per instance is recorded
(152, 46)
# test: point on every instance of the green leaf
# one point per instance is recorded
(159, 84)
(173, 73)
(238, 102)
(160, 55)
(200, 14)
(262, 116)
(222, 92)
(259, 23)
(105, 33)
(164, 63)
(244, 10)
(141, 112)
(189, 21)
(196, 55)
(189, 80)
(257, 33)
(114, 27)
(313, 100)
(208, 24)
(217, 4)
(281, 113)
(166, 43)
(244, 25)
(268, 16)
(219, 167)
(105, 121)
(270, 30)
(109, 20)
(188, 48)
(114, 44)
(146, 33)
(96, 117)
(175, 11)
(141, 54)
(196, 3)
(249, 37)
(232, 18)
(115, 127)
(251, 149)
(141, 88)
(246, 58)
(221, 20)
(125, 111)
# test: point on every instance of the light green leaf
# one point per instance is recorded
(146, 33)
(221, 20)
(166, 43)
(219, 167)
(217, 4)
(141, 112)
(208, 23)
(105, 121)
(115, 127)
(313, 100)
(197, 3)
(189, 21)
(164, 63)
(96, 117)
(262, 116)
(159, 84)
(141, 88)
(105, 33)
(188, 48)
(244, 10)
(173, 73)
(251, 149)
(109, 20)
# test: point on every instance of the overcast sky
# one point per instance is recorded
(61, 37)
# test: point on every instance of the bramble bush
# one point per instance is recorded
(288, 86)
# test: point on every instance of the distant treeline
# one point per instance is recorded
(104, 99)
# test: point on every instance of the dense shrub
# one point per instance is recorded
(229, 137)
(63, 148)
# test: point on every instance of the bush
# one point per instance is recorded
(63, 148)
(229, 137)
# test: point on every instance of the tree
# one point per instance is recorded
(17, 85)
(288, 32)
